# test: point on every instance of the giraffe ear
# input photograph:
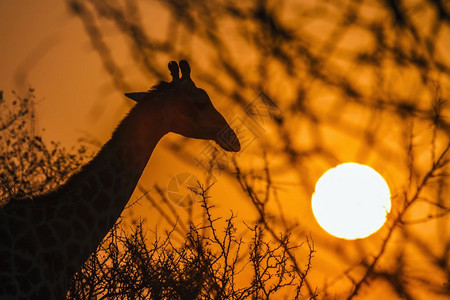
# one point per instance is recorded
(138, 96)
(185, 69)
(174, 71)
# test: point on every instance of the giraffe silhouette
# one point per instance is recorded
(44, 240)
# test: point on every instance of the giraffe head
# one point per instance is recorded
(190, 111)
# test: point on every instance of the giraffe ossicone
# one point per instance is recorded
(45, 239)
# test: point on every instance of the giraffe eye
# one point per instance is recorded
(200, 105)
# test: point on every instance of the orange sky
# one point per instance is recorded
(50, 47)
(46, 48)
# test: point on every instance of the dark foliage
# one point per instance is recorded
(213, 262)
(28, 166)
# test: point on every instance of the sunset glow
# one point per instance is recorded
(351, 201)
(236, 149)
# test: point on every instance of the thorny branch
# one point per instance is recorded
(439, 164)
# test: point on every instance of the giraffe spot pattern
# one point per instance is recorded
(46, 239)
(22, 264)
(45, 235)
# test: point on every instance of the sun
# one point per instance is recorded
(351, 201)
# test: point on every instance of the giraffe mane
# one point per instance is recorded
(160, 87)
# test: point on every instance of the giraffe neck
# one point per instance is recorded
(97, 195)
(49, 237)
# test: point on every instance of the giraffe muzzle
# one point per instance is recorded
(228, 140)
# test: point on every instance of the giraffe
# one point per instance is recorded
(44, 240)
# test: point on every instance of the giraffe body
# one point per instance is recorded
(44, 240)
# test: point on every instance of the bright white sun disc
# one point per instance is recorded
(351, 201)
